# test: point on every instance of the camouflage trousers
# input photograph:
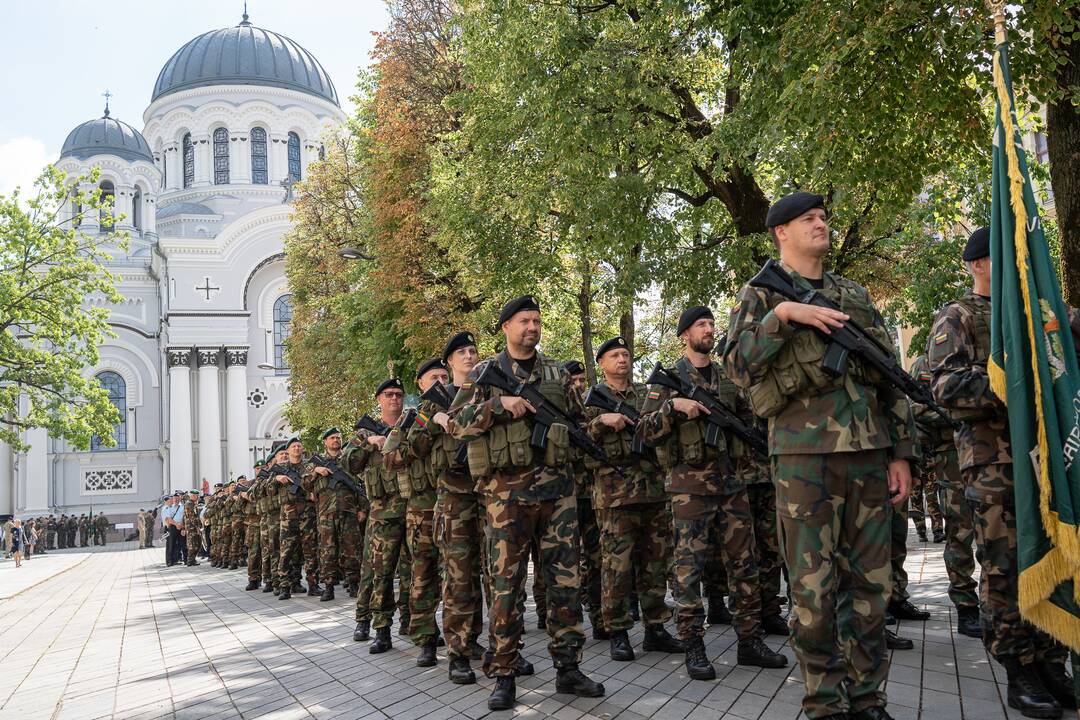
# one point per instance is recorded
(959, 531)
(192, 536)
(425, 576)
(1005, 634)
(239, 534)
(363, 593)
(270, 547)
(694, 519)
(834, 538)
(294, 543)
(591, 562)
(309, 542)
(636, 543)
(339, 546)
(388, 549)
(539, 588)
(215, 541)
(762, 496)
(224, 540)
(925, 493)
(252, 532)
(459, 530)
(898, 529)
(511, 527)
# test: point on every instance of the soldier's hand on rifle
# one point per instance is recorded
(442, 420)
(377, 441)
(690, 408)
(360, 515)
(515, 406)
(813, 315)
(283, 479)
(323, 471)
(615, 421)
(899, 474)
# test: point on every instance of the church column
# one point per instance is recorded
(36, 471)
(209, 415)
(240, 158)
(7, 481)
(89, 223)
(180, 470)
(204, 160)
(278, 149)
(173, 159)
(125, 205)
(236, 409)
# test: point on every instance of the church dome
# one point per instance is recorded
(106, 136)
(244, 55)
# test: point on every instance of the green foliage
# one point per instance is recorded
(48, 268)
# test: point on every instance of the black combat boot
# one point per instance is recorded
(504, 695)
(635, 609)
(427, 658)
(541, 621)
(362, 633)
(476, 650)
(252, 585)
(599, 632)
(939, 536)
(268, 587)
(1057, 682)
(298, 588)
(460, 672)
(906, 611)
(620, 647)
(895, 642)
(1027, 692)
(698, 666)
(192, 562)
(774, 625)
(403, 626)
(353, 589)
(968, 622)
(872, 713)
(315, 590)
(570, 680)
(754, 651)
(921, 531)
(718, 611)
(523, 667)
(286, 593)
(658, 639)
(327, 593)
(233, 566)
(382, 641)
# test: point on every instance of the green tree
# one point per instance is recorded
(48, 336)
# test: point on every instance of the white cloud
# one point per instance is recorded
(21, 161)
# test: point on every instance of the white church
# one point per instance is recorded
(197, 369)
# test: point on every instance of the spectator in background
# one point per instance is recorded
(15, 541)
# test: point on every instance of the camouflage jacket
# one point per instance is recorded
(934, 434)
(365, 463)
(339, 498)
(958, 352)
(477, 410)
(407, 453)
(847, 414)
(751, 468)
(708, 471)
(284, 492)
(191, 515)
(642, 480)
(451, 476)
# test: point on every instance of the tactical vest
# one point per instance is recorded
(797, 371)
(378, 481)
(686, 446)
(976, 314)
(506, 445)
(618, 446)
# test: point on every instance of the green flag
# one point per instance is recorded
(1033, 368)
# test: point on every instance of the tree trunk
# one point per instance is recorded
(1063, 145)
(627, 328)
(585, 314)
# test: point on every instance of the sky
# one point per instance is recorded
(59, 56)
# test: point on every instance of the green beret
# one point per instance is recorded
(328, 432)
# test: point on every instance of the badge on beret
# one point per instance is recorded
(938, 339)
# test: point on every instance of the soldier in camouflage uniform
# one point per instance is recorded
(408, 452)
(635, 529)
(191, 526)
(101, 529)
(238, 519)
(705, 494)
(340, 509)
(269, 505)
(84, 531)
(309, 538)
(840, 447)
(959, 348)
(939, 450)
(527, 492)
(925, 501)
(50, 533)
(61, 531)
(252, 526)
(385, 534)
(294, 502)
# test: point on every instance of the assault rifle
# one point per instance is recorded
(719, 417)
(337, 475)
(287, 470)
(546, 413)
(366, 422)
(440, 397)
(847, 339)
(599, 397)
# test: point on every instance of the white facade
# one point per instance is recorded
(200, 281)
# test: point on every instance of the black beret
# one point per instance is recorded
(613, 343)
(429, 364)
(242, 477)
(462, 339)
(175, 494)
(277, 447)
(388, 384)
(512, 308)
(330, 431)
(978, 245)
(292, 441)
(574, 367)
(690, 316)
(792, 206)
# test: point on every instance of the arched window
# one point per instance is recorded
(259, 172)
(221, 156)
(108, 205)
(117, 389)
(282, 318)
(294, 157)
(189, 161)
(136, 209)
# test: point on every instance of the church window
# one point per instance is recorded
(189, 161)
(294, 157)
(136, 209)
(108, 200)
(259, 170)
(282, 317)
(117, 389)
(221, 156)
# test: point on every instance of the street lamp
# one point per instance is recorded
(268, 366)
(351, 253)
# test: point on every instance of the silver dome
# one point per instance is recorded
(106, 136)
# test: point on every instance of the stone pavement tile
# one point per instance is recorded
(903, 695)
(675, 709)
(944, 705)
(942, 682)
(649, 703)
(748, 706)
(779, 710)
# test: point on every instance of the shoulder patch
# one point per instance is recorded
(466, 385)
(654, 394)
(938, 339)
(736, 308)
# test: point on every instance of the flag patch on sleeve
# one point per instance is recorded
(654, 394)
(938, 339)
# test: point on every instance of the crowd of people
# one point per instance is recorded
(756, 457)
(37, 536)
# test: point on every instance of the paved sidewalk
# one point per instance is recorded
(118, 635)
